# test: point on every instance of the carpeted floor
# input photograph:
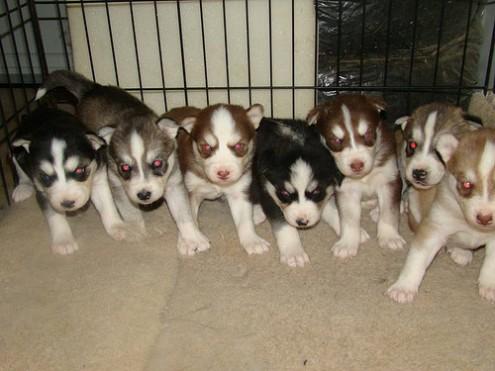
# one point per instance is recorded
(134, 306)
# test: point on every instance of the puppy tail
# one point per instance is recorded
(73, 82)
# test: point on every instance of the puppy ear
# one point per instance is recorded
(106, 133)
(313, 116)
(446, 146)
(188, 123)
(21, 142)
(168, 126)
(255, 114)
(378, 102)
(402, 121)
(96, 141)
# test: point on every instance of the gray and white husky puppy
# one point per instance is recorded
(142, 158)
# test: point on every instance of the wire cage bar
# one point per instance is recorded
(287, 55)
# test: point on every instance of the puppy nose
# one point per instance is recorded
(484, 219)
(144, 195)
(419, 174)
(223, 174)
(357, 166)
(302, 222)
(68, 204)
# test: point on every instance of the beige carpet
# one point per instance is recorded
(135, 306)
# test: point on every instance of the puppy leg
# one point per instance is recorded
(101, 196)
(486, 280)
(428, 241)
(190, 240)
(289, 244)
(349, 202)
(388, 223)
(330, 214)
(242, 213)
(196, 199)
(25, 188)
(131, 213)
(258, 214)
(62, 239)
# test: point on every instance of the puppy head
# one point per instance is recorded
(297, 171)
(425, 132)
(222, 140)
(141, 155)
(350, 125)
(63, 167)
(472, 178)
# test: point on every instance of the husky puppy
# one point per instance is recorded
(215, 153)
(364, 151)
(462, 214)
(294, 175)
(423, 133)
(56, 157)
(142, 159)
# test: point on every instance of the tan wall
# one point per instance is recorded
(148, 51)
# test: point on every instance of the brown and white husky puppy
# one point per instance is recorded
(364, 151)
(423, 136)
(462, 215)
(215, 152)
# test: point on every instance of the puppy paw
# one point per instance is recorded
(343, 249)
(258, 215)
(460, 256)
(389, 238)
(192, 245)
(64, 247)
(256, 245)
(364, 236)
(401, 293)
(375, 214)
(294, 257)
(22, 192)
(488, 293)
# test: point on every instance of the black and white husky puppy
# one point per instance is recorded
(56, 157)
(142, 156)
(294, 175)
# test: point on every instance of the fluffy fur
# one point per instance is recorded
(462, 215)
(56, 157)
(294, 175)
(364, 150)
(425, 134)
(142, 159)
(215, 153)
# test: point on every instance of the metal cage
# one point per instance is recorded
(40, 36)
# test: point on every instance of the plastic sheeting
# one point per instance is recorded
(375, 44)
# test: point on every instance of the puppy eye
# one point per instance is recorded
(283, 195)
(206, 149)
(336, 140)
(80, 170)
(157, 164)
(465, 187)
(125, 168)
(45, 179)
(239, 148)
(411, 147)
(316, 191)
(369, 137)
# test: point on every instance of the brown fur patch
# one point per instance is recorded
(202, 128)
(361, 107)
(468, 156)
